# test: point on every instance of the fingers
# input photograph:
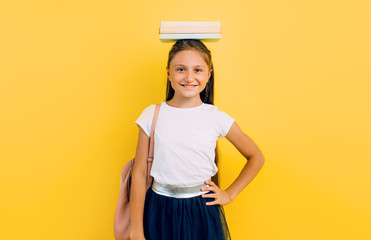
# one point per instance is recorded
(207, 189)
(209, 182)
(212, 186)
(209, 196)
(211, 203)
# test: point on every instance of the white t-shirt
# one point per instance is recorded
(185, 141)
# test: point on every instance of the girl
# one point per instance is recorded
(183, 203)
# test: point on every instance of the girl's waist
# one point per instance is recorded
(177, 191)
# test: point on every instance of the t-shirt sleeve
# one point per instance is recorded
(145, 119)
(224, 122)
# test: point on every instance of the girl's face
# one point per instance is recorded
(188, 73)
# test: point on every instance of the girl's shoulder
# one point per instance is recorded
(149, 108)
(218, 114)
(213, 108)
(148, 111)
(221, 120)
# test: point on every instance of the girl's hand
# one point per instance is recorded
(221, 197)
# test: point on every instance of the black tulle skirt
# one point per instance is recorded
(166, 218)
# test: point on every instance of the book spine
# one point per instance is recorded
(189, 30)
(176, 36)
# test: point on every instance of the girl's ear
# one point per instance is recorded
(167, 71)
(210, 73)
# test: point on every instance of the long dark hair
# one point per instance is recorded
(207, 95)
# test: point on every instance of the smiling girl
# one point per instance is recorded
(183, 202)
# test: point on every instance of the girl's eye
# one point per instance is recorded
(198, 70)
(180, 69)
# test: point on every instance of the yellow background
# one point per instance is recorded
(75, 75)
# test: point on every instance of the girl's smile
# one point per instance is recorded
(187, 86)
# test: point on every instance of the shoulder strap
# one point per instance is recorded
(154, 120)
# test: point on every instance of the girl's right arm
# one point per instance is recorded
(138, 186)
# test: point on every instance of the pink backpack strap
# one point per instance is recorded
(150, 155)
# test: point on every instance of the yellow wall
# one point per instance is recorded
(74, 76)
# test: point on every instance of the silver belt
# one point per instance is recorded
(178, 191)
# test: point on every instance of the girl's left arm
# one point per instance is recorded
(255, 161)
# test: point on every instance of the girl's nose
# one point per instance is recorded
(189, 76)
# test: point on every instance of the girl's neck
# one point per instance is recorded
(184, 103)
